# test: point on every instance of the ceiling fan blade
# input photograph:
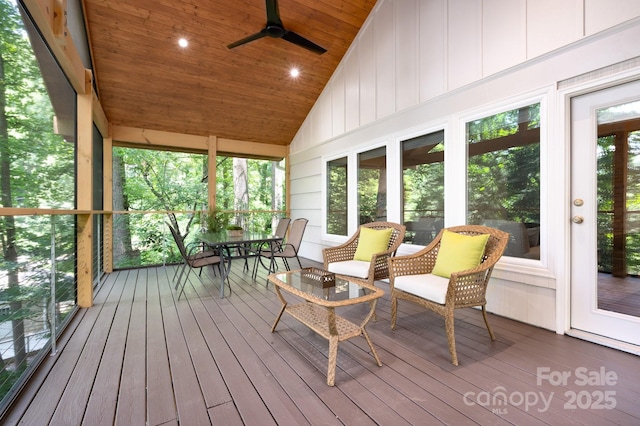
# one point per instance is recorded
(273, 14)
(294, 38)
(252, 37)
(275, 29)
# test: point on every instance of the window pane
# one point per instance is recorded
(337, 206)
(504, 177)
(618, 157)
(372, 185)
(423, 187)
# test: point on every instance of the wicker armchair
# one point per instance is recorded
(441, 295)
(339, 259)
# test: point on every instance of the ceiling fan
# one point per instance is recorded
(275, 29)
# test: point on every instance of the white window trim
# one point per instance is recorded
(456, 175)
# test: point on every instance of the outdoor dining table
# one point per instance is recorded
(246, 245)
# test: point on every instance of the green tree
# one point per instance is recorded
(153, 180)
(504, 183)
(36, 170)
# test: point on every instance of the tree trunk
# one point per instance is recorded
(122, 248)
(240, 188)
(277, 191)
(10, 251)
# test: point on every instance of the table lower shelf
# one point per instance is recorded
(317, 319)
(324, 321)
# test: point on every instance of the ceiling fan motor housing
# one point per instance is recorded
(275, 31)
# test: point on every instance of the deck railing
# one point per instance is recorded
(60, 256)
(149, 242)
(37, 292)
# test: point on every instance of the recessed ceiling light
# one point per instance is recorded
(183, 42)
(294, 72)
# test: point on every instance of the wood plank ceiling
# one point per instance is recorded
(145, 80)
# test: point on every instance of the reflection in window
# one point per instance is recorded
(372, 186)
(423, 187)
(504, 177)
(618, 156)
(337, 207)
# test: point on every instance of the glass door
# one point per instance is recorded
(605, 230)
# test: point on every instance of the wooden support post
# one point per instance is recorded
(84, 191)
(59, 24)
(85, 265)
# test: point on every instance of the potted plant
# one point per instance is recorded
(234, 230)
(217, 220)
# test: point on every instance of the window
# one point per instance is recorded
(372, 185)
(423, 187)
(337, 206)
(618, 179)
(504, 177)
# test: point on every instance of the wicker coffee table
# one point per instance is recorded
(323, 293)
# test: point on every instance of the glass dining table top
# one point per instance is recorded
(225, 238)
(341, 289)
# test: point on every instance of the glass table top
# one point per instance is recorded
(340, 289)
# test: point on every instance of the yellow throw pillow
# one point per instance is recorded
(372, 241)
(459, 252)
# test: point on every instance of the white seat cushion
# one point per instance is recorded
(428, 286)
(353, 268)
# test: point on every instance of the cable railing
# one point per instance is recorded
(142, 238)
(39, 272)
(37, 292)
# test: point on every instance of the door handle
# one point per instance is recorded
(577, 219)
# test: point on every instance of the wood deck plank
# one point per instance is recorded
(18, 409)
(342, 408)
(190, 404)
(320, 345)
(207, 371)
(46, 400)
(101, 407)
(225, 414)
(281, 371)
(160, 397)
(206, 360)
(248, 402)
(131, 405)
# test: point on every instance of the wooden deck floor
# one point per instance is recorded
(141, 357)
(620, 295)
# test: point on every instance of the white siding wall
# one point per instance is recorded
(421, 65)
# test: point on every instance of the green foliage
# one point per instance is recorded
(172, 181)
(217, 220)
(42, 168)
(423, 191)
(162, 180)
(606, 151)
(36, 170)
(368, 189)
(337, 202)
(504, 183)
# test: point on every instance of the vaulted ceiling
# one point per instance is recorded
(146, 80)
